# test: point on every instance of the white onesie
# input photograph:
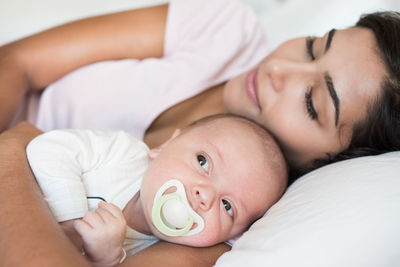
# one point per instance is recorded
(72, 165)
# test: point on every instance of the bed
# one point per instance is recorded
(344, 214)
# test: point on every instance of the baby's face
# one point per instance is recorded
(225, 176)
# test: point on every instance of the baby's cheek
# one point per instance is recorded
(203, 239)
(208, 238)
(212, 234)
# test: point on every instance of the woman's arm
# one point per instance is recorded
(34, 62)
(29, 235)
(168, 254)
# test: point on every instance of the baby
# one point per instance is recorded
(205, 185)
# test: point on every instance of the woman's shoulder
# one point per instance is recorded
(210, 21)
(212, 6)
(214, 39)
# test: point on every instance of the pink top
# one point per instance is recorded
(207, 42)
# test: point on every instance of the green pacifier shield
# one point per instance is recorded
(159, 222)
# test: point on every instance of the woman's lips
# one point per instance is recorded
(252, 88)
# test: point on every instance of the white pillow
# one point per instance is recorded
(344, 214)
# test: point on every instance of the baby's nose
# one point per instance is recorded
(204, 196)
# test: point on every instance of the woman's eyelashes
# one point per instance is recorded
(310, 47)
(312, 113)
(228, 207)
(203, 162)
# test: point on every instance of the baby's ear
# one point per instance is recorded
(154, 152)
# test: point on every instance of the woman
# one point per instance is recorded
(322, 98)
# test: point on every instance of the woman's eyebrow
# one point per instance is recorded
(329, 40)
(328, 79)
(333, 95)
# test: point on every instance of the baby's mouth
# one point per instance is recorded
(172, 214)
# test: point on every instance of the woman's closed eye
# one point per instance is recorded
(228, 207)
(203, 162)
(312, 113)
(310, 47)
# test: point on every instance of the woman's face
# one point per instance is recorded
(310, 92)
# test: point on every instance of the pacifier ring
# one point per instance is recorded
(158, 220)
(171, 213)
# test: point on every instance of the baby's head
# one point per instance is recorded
(229, 169)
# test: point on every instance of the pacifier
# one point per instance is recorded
(171, 213)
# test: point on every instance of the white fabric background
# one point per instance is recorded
(281, 19)
(285, 19)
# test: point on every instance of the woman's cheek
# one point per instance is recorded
(230, 95)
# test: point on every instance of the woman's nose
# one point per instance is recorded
(204, 196)
(280, 70)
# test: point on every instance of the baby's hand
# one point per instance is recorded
(103, 233)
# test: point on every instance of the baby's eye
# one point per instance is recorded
(228, 207)
(203, 162)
